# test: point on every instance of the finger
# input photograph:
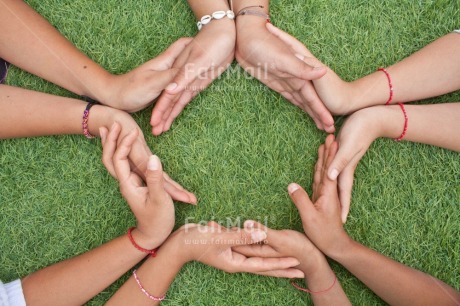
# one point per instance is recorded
(286, 273)
(103, 132)
(274, 238)
(178, 107)
(154, 179)
(301, 200)
(290, 64)
(289, 40)
(162, 107)
(345, 154)
(109, 146)
(180, 195)
(243, 236)
(259, 264)
(257, 250)
(120, 158)
(318, 173)
(166, 59)
(318, 108)
(345, 185)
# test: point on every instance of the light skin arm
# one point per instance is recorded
(203, 60)
(395, 283)
(75, 281)
(33, 113)
(156, 274)
(31, 43)
(432, 71)
(273, 62)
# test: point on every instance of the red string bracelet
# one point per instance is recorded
(406, 123)
(154, 298)
(85, 121)
(314, 292)
(152, 253)
(389, 83)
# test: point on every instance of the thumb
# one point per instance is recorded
(161, 79)
(154, 177)
(300, 69)
(301, 200)
(341, 160)
(345, 182)
(243, 236)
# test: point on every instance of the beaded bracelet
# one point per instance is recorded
(389, 83)
(406, 123)
(216, 15)
(247, 11)
(85, 121)
(152, 253)
(314, 292)
(158, 299)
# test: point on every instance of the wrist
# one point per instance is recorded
(143, 240)
(341, 249)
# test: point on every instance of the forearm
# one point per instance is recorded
(432, 71)
(434, 124)
(322, 279)
(206, 7)
(77, 280)
(29, 42)
(155, 276)
(395, 283)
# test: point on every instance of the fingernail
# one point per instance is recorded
(333, 174)
(300, 56)
(249, 224)
(154, 163)
(293, 188)
(258, 235)
(171, 86)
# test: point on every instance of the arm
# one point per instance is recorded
(214, 249)
(75, 281)
(319, 276)
(393, 282)
(274, 63)
(32, 113)
(31, 43)
(203, 60)
(432, 71)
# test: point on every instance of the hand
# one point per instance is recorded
(138, 88)
(152, 205)
(212, 245)
(273, 62)
(202, 61)
(286, 243)
(337, 95)
(354, 139)
(321, 215)
(105, 117)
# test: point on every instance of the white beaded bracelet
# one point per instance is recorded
(216, 15)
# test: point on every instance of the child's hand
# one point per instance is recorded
(273, 62)
(212, 245)
(336, 94)
(321, 215)
(286, 243)
(151, 204)
(138, 88)
(203, 60)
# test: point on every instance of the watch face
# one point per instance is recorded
(3, 70)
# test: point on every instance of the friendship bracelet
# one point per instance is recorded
(216, 15)
(152, 253)
(248, 11)
(389, 83)
(85, 121)
(314, 292)
(158, 299)
(406, 123)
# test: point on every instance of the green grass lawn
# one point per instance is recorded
(237, 146)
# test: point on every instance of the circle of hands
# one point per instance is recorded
(173, 79)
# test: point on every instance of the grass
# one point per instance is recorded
(237, 146)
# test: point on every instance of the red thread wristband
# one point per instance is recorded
(406, 123)
(389, 83)
(152, 253)
(85, 121)
(314, 292)
(154, 298)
